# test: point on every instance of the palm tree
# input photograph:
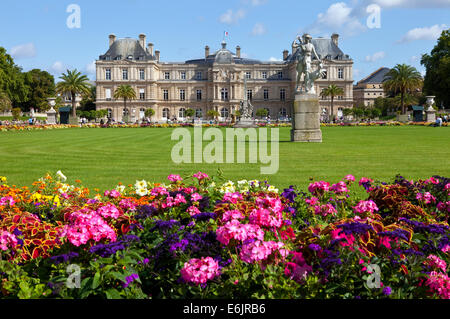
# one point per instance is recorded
(332, 91)
(402, 79)
(73, 83)
(125, 92)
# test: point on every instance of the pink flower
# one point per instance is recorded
(127, 204)
(318, 188)
(266, 217)
(174, 178)
(443, 206)
(200, 176)
(159, 191)
(109, 211)
(446, 249)
(7, 240)
(435, 262)
(240, 232)
(347, 240)
(365, 206)
(350, 178)
(259, 250)
(312, 201)
(112, 194)
(364, 180)
(232, 214)
(426, 198)
(199, 271)
(232, 197)
(447, 186)
(339, 188)
(192, 210)
(325, 210)
(179, 199)
(196, 197)
(439, 283)
(432, 180)
(4, 201)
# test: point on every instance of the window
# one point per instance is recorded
(183, 75)
(182, 95)
(324, 76)
(340, 97)
(266, 94)
(125, 74)
(249, 95)
(109, 113)
(108, 74)
(166, 95)
(283, 112)
(182, 113)
(141, 94)
(340, 73)
(198, 113)
(280, 75)
(224, 94)
(224, 112)
(199, 75)
(282, 94)
(248, 75)
(165, 113)
(166, 75)
(199, 95)
(108, 94)
(141, 74)
(130, 57)
(125, 111)
(264, 74)
(108, 58)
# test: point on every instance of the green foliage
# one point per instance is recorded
(149, 112)
(402, 79)
(213, 114)
(125, 92)
(332, 91)
(437, 64)
(190, 112)
(12, 81)
(16, 112)
(73, 83)
(41, 85)
(5, 102)
(261, 113)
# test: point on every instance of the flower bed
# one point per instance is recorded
(204, 237)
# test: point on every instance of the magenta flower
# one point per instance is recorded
(365, 206)
(199, 271)
(339, 188)
(350, 178)
(7, 240)
(319, 188)
(200, 176)
(174, 178)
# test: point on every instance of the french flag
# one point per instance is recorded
(225, 34)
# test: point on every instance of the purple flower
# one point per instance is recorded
(315, 247)
(129, 280)
(289, 194)
(355, 228)
(387, 290)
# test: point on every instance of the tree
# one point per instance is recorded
(190, 113)
(332, 91)
(40, 86)
(125, 92)
(73, 83)
(87, 103)
(402, 79)
(213, 114)
(5, 102)
(437, 64)
(12, 79)
(149, 113)
(16, 112)
(261, 112)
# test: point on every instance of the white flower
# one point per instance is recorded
(272, 189)
(61, 176)
(255, 183)
(141, 191)
(64, 188)
(120, 188)
(242, 182)
(140, 184)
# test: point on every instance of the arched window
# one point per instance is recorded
(283, 112)
(224, 112)
(165, 113)
(182, 113)
(125, 111)
(109, 113)
(199, 113)
(141, 113)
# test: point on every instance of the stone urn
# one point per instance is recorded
(431, 112)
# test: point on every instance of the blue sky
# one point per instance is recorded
(37, 35)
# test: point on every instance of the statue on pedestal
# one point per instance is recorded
(307, 52)
(246, 110)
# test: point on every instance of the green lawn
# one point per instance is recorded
(103, 157)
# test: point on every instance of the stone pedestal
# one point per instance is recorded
(245, 123)
(306, 119)
(51, 116)
(431, 115)
(403, 118)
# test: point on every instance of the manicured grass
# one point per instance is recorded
(103, 157)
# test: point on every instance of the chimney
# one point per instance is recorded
(335, 38)
(142, 40)
(112, 39)
(157, 55)
(285, 55)
(238, 51)
(206, 51)
(150, 48)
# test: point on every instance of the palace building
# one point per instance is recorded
(214, 82)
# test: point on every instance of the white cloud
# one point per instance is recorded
(374, 57)
(273, 59)
(231, 17)
(23, 51)
(425, 33)
(339, 17)
(412, 3)
(259, 29)
(58, 67)
(90, 68)
(255, 3)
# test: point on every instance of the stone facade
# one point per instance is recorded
(371, 87)
(215, 81)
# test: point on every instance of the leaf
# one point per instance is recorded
(96, 280)
(113, 294)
